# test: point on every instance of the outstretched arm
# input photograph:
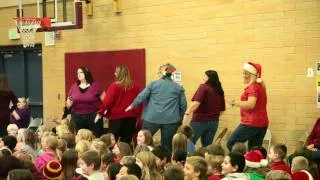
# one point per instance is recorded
(142, 96)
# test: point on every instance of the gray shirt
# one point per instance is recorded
(165, 102)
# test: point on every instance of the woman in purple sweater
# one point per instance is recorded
(6, 96)
(84, 100)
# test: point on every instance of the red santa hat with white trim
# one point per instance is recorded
(255, 159)
(255, 69)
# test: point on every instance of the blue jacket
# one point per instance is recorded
(165, 102)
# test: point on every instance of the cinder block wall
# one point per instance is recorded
(196, 35)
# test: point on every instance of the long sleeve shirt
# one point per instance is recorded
(314, 136)
(165, 102)
(117, 99)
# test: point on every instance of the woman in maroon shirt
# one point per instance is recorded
(206, 106)
(6, 96)
(119, 95)
(84, 99)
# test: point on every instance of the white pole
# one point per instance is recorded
(20, 8)
(38, 8)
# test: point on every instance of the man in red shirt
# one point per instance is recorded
(253, 109)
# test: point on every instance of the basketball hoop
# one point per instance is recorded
(28, 28)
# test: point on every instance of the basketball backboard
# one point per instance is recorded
(64, 14)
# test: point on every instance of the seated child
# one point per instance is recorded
(239, 147)
(276, 156)
(179, 158)
(195, 168)
(256, 165)
(278, 175)
(233, 165)
(109, 140)
(214, 167)
(145, 137)
(112, 170)
(84, 134)
(9, 143)
(106, 159)
(89, 163)
(21, 115)
(173, 173)
(130, 169)
(299, 169)
(12, 130)
(187, 130)
(162, 157)
(49, 145)
(215, 149)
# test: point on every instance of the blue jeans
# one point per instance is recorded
(204, 129)
(167, 132)
(243, 133)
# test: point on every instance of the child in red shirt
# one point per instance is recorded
(277, 155)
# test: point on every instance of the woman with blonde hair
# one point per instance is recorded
(148, 160)
(118, 97)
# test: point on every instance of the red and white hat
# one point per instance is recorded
(255, 159)
(255, 69)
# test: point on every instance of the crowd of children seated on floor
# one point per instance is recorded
(67, 155)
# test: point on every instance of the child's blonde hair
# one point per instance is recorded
(148, 160)
(299, 163)
(278, 174)
(62, 129)
(84, 134)
(82, 146)
(199, 165)
(215, 162)
(43, 131)
(12, 130)
(99, 146)
(140, 148)
(51, 142)
(20, 134)
(179, 143)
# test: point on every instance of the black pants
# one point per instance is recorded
(86, 121)
(123, 128)
(243, 133)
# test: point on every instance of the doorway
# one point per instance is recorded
(23, 67)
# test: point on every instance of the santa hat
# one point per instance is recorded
(253, 68)
(52, 170)
(255, 159)
(169, 69)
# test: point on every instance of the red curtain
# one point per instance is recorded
(102, 65)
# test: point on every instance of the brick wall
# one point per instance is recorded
(282, 35)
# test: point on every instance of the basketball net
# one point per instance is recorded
(28, 28)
